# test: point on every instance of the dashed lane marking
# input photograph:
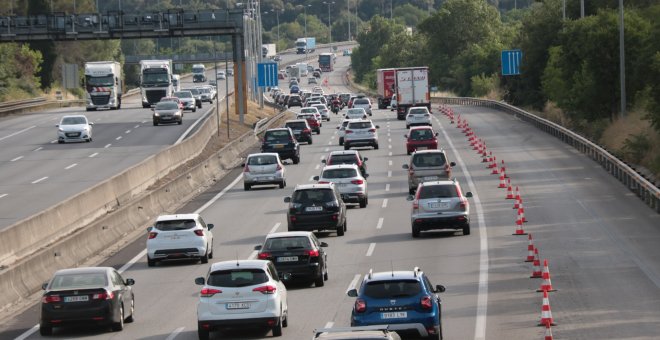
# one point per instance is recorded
(175, 333)
(17, 132)
(354, 282)
(379, 225)
(70, 166)
(118, 138)
(274, 229)
(37, 149)
(40, 180)
(3, 195)
(387, 187)
(385, 203)
(370, 251)
(127, 131)
(93, 155)
(389, 173)
(107, 146)
(17, 158)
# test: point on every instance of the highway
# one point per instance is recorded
(600, 240)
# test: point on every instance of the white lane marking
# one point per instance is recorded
(326, 149)
(136, 126)
(118, 138)
(354, 282)
(380, 223)
(175, 333)
(387, 187)
(385, 203)
(53, 141)
(311, 178)
(17, 158)
(322, 157)
(37, 149)
(389, 140)
(107, 146)
(18, 132)
(274, 229)
(192, 126)
(220, 194)
(317, 166)
(389, 162)
(93, 155)
(3, 195)
(390, 154)
(329, 324)
(253, 255)
(28, 333)
(70, 166)
(370, 251)
(127, 131)
(389, 173)
(330, 142)
(482, 292)
(389, 146)
(144, 121)
(39, 180)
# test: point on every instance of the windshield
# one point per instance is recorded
(359, 125)
(237, 278)
(313, 196)
(421, 134)
(155, 76)
(296, 125)
(194, 91)
(287, 243)
(392, 289)
(359, 111)
(167, 105)
(73, 121)
(100, 81)
(277, 136)
(198, 69)
(262, 160)
(343, 159)
(74, 281)
(419, 111)
(184, 94)
(437, 191)
(339, 173)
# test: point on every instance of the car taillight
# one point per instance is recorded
(307, 131)
(265, 289)
(415, 204)
(51, 299)
(246, 169)
(360, 306)
(349, 131)
(208, 292)
(103, 296)
(324, 182)
(279, 167)
(152, 235)
(426, 302)
(264, 256)
(357, 181)
(464, 204)
(372, 130)
(313, 253)
(199, 232)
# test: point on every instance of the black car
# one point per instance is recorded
(300, 129)
(298, 253)
(283, 142)
(316, 207)
(199, 78)
(316, 74)
(86, 296)
(294, 100)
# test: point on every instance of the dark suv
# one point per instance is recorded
(294, 100)
(283, 142)
(316, 207)
(301, 130)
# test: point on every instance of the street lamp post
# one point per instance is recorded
(305, 15)
(329, 21)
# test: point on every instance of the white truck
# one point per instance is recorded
(412, 89)
(176, 82)
(103, 85)
(155, 81)
(304, 70)
(268, 50)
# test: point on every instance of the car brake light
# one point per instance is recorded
(360, 306)
(313, 253)
(279, 167)
(335, 217)
(426, 302)
(415, 204)
(349, 131)
(464, 204)
(372, 130)
(246, 169)
(208, 292)
(264, 256)
(324, 182)
(307, 131)
(199, 232)
(357, 181)
(51, 299)
(103, 296)
(265, 289)
(152, 235)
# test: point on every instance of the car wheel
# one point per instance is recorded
(285, 322)
(341, 140)
(325, 276)
(194, 109)
(211, 253)
(408, 152)
(411, 191)
(296, 159)
(205, 258)
(203, 334)
(246, 186)
(309, 142)
(118, 326)
(45, 330)
(150, 262)
(466, 230)
(341, 229)
(282, 184)
(318, 132)
(277, 329)
(346, 146)
(130, 317)
(363, 203)
(180, 122)
(415, 232)
(407, 126)
(155, 123)
(60, 142)
(376, 146)
(320, 282)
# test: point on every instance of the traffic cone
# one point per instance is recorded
(548, 333)
(530, 249)
(484, 151)
(521, 214)
(518, 203)
(493, 165)
(502, 181)
(503, 168)
(487, 157)
(536, 270)
(517, 193)
(509, 192)
(519, 230)
(546, 313)
(492, 161)
(546, 285)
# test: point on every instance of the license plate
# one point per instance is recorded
(278, 146)
(394, 315)
(238, 305)
(266, 178)
(439, 205)
(79, 298)
(314, 209)
(73, 134)
(287, 259)
(430, 178)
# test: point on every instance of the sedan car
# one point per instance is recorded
(197, 94)
(241, 294)
(298, 253)
(86, 296)
(364, 103)
(348, 180)
(74, 128)
(181, 236)
(167, 112)
(263, 169)
(316, 207)
(347, 157)
(440, 205)
(323, 110)
(356, 113)
(206, 94)
(312, 120)
(173, 99)
(186, 97)
(418, 116)
(421, 137)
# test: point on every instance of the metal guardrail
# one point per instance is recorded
(18, 103)
(648, 192)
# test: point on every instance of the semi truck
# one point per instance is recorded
(385, 81)
(326, 62)
(305, 45)
(268, 50)
(155, 81)
(412, 89)
(104, 85)
(199, 73)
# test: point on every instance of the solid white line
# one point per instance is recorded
(93, 155)
(317, 166)
(389, 173)
(70, 166)
(253, 255)
(385, 203)
(118, 138)
(107, 146)
(175, 333)
(136, 126)
(17, 158)
(354, 282)
(371, 249)
(37, 149)
(482, 292)
(329, 324)
(274, 229)
(28, 333)
(387, 187)
(128, 131)
(327, 149)
(3, 195)
(130, 263)
(17, 132)
(220, 194)
(40, 179)
(380, 223)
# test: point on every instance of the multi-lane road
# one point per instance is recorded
(600, 241)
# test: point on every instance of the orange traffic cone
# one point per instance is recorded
(518, 203)
(548, 333)
(519, 229)
(502, 182)
(546, 285)
(503, 168)
(536, 271)
(509, 191)
(484, 151)
(487, 157)
(546, 313)
(493, 163)
(530, 249)
(521, 214)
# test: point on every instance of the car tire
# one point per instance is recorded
(118, 326)
(246, 187)
(408, 152)
(282, 184)
(285, 322)
(466, 230)
(309, 142)
(415, 232)
(45, 330)
(341, 141)
(205, 258)
(363, 203)
(319, 282)
(341, 229)
(60, 142)
(411, 191)
(180, 121)
(155, 123)
(194, 109)
(347, 147)
(277, 329)
(407, 126)
(296, 159)
(376, 146)
(130, 317)
(203, 334)
(211, 253)
(150, 262)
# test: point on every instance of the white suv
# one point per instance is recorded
(361, 133)
(364, 103)
(349, 182)
(241, 294)
(183, 236)
(418, 116)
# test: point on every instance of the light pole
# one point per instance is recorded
(305, 15)
(348, 7)
(329, 21)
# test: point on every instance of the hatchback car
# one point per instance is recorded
(283, 142)
(294, 100)
(347, 157)
(301, 130)
(263, 169)
(181, 236)
(297, 253)
(440, 205)
(207, 94)
(405, 300)
(86, 296)
(313, 121)
(427, 165)
(167, 112)
(323, 111)
(173, 99)
(348, 179)
(316, 207)
(241, 294)
(377, 332)
(361, 133)
(221, 75)
(187, 99)
(74, 128)
(421, 137)
(418, 116)
(197, 94)
(363, 103)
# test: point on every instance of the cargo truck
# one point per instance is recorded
(385, 81)
(268, 50)
(155, 81)
(103, 85)
(326, 62)
(412, 89)
(305, 45)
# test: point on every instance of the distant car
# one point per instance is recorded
(421, 137)
(242, 294)
(173, 99)
(74, 128)
(323, 111)
(418, 116)
(376, 332)
(294, 89)
(316, 74)
(361, 133)
(292, 83)
(440, 205)
(167, 112)
(347, 157)
(199, 78)
(346, 53)
(348, 180)
(221, 75)
(313, 121)
(294, 100)
(283, 142)
(230, 72)
(213, 82)
(317, 89)
(393, 103)
(297, 253)
(405, 300)
(311, 81)
(364, 103)
(86, 296)
(301, 130)
(341, 130)
(263, 169)
(207, 95)
(316, 207)
(356, 113)
(427, 166)
(186, 99)
(280, 76)
(197, 94)
(277, 57)
(181, 236)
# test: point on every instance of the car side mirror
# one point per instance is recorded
(365, 159)
(44, 285)
(440, 289)
(286, 276)
(323, 160)
(90, 123)
(149, 229)
(210, 226)
(257, 247)
(200, 281)
(352, 293)
(436, 134)
(468, 194)
(323, 244)
(366, 175)
(129, 282)
(405, 166)
(405, 136)
(452, 163)
(242, 165)
(287, 199)
(58, 125)
(316, 178)
(410, 198)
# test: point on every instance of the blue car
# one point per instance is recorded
(294, 89)
(404, 300)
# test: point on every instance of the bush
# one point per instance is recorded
(636, 147)
(482, 85)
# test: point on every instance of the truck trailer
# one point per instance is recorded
(412, 89)
(305, 45)
(103, 85)
(385, 81)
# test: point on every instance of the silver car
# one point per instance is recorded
(341, 130)
(349, 182)
(187, 99)
(206, 94)
(364, 103)
(418, 116)
(75, 128)
(361, 133)
(263, 169)
(426, 166)
(440, 205)
(323, 110)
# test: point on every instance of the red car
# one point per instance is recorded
(421, 137)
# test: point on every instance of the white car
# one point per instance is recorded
(419, 115)
(263, 169)
(348, 180)
(242, 294)
(341, 130)
(361, 133)
(364, 103)
(317, 89)
(323, 110)
(181, 236)
(75, 128)
(221, 75)
(356, 113)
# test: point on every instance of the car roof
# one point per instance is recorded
(177, 217)
(344, 152)
(262, 264)
(263, 154)
(314, 186)
(83, 270)
(341, 166)
(289, 234)
(421, 127)
(393, 275)
(75, 116)
(296, 121)
(443, 182)
(430, 151)
(278, 129)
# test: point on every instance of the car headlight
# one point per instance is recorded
(156, 114)
(60, 130)
(178, 113)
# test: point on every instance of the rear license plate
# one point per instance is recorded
(78, 298)
(278, 146)
(314, 209)
(439, 205)
(430, 178)
(238, 305)
(287, 259)
(394, 315)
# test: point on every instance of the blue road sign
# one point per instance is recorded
(267, 74)
(511, 62)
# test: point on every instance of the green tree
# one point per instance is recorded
(380, 31)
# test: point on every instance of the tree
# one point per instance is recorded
(378, 33)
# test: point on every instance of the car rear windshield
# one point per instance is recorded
(277, 136)
(421, 134)
(82, 280)
(437, 191)
(310, 196)
(296, 125)
(287, 243)
(339, 173)
(262, 160)
(359, 125)
(175, 225)
(343, 159)
(429, 159)
(356, 111)
(417, 111)
(392, 289)
(307, 116)
(361, 101)
(73, 121)
(321, 107)
(234, 278)
(308, 110)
